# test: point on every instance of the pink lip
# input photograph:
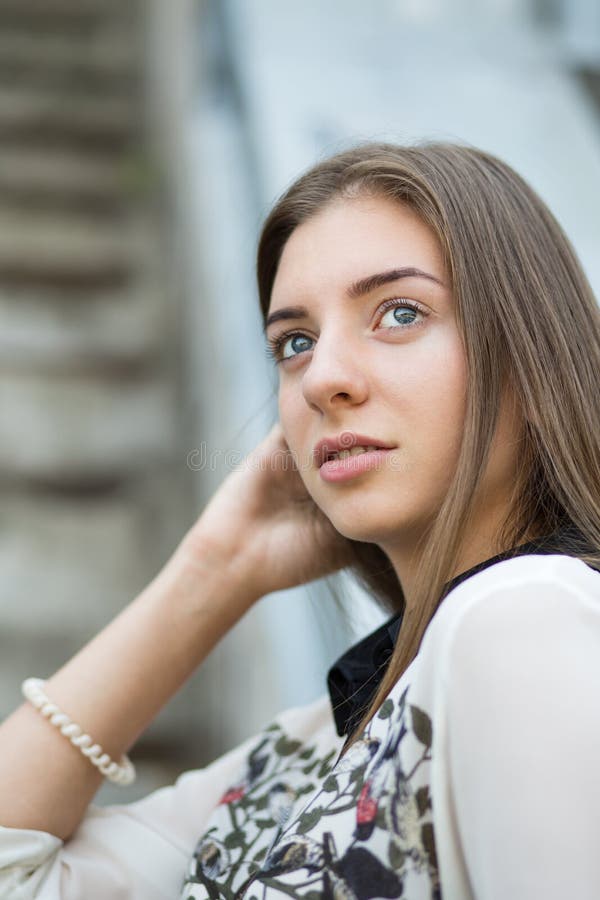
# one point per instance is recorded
(345, 441)
(336, 470)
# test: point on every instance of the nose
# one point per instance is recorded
(334, 376)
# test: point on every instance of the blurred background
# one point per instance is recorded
(141, 145)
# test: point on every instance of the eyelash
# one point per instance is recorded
(275, 344)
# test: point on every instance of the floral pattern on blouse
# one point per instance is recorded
(304, 825)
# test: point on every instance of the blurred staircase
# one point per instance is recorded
(91, 440)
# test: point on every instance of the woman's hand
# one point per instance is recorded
(262, 520)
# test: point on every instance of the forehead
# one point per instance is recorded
(351, 238)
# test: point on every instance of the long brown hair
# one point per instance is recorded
(528, 318)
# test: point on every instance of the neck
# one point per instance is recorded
(480, 544)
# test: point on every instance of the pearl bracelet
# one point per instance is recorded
(122, 774)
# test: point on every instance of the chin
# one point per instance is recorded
(366, 532)
(373, 523)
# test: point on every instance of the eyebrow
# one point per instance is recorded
(356, 289)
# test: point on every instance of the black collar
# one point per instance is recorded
(354, 678)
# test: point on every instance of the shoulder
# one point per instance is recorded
(514, 655)
(534, 591)
(511, 626)
(524, 573)
(522, 634)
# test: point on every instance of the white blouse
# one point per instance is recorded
(477, 780)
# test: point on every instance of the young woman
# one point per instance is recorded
(438, 350)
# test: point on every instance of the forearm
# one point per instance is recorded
(114, 687)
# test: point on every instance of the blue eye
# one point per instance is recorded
(298, 343)
(402, 315)
(403, 312)
(276, 345)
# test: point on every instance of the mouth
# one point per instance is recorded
(345, 446)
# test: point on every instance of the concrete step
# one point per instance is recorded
(50, 53)
(83, 80)
(56, 118)
(93, 8)
(33, 169)
(74, 16)
(69, 564)
(102, 332)
(61, 540)
(94, 67)
(71, 250)
(76, 429)
(96, 185)
(94, 205)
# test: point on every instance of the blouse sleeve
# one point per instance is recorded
(522, 690)
(133, 851)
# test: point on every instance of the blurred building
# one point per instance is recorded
(95, 490)
(141, 144)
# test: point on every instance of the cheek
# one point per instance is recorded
(431, 394)
(447, 398)
(294, 418)
(293, 413)
(445, 391)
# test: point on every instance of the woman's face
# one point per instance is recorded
(374, 352)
